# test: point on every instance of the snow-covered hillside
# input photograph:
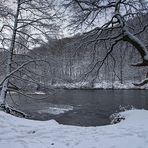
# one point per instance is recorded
(22, 133)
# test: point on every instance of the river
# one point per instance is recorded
(79, 107)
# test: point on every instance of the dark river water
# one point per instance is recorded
(79, 107)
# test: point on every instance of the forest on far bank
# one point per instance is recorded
(71, 60)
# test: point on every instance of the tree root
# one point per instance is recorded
(13, 111)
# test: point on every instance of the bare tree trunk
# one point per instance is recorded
(9, 58)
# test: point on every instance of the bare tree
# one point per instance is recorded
(109, 21)
(26, 23)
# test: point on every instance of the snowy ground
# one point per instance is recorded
(118, 85)
(22, 133)
(101, 85)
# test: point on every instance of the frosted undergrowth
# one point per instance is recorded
(101, 85)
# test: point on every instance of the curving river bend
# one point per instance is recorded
(79, 107)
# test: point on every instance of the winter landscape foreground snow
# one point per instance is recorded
(22, 133)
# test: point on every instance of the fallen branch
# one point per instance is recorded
(143, 82)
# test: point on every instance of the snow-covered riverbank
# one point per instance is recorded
(22, 133)
(101, 85)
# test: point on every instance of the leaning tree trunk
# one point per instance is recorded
(133, 40)
(138, 44)
(9, 58)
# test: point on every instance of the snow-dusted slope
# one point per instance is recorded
(23, 133)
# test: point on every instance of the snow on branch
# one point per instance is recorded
(143, 82)
(17, 69)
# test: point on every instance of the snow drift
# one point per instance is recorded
(22, 133)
